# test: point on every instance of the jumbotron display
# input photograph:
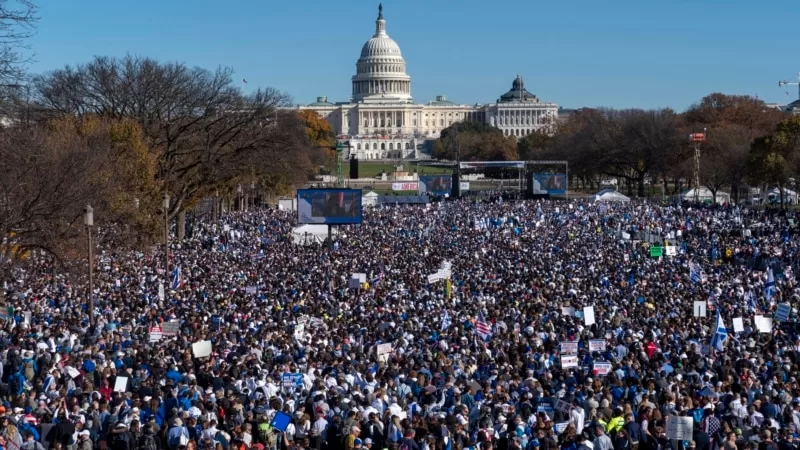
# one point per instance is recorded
(329, 206)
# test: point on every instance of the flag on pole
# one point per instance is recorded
(244, 81)
(446, 322)
(720, 334)
(448, 288)
(177, 279)
(482, 327)
(769, 286)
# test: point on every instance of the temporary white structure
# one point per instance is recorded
(704, 195)
(307, 234)
(610, 195)
(369, 199)
(789, 196)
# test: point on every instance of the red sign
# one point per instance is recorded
(697, 137)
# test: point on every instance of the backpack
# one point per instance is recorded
(29, 372)
(120, 441)
(147, 442)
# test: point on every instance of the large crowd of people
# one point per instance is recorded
(459, 325)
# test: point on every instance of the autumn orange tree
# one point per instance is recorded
(49, 172)
(320, 135)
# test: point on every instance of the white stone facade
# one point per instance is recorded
(382, 122)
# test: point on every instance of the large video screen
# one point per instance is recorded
(549, 183)
(329, 206)
(435, 184)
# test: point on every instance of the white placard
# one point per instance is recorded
(72, 372)
(764, 324)
(161, 294)
(680, 428)
(568, 311)
(738, 324)
(201, 349)
(156, 333)
(588, 315)
(121, 384)
(434, 277)
(563, 406)
(299, 331)
(597, 345)
(362, 277)
(699, 309)
(569, 361)
(601, 368)
(671, 250)
(384, 349)
(569, 348)
(626, 236)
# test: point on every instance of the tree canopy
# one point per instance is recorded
(474, 141)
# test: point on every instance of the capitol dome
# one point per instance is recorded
(381, 70)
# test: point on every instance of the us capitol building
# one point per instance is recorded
(381, 121)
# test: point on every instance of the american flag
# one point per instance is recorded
(482, 327)
(244, 81)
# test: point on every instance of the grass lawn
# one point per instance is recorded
(373, 169)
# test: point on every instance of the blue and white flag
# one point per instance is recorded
(769, 286)
(177, 279)
(696, 273)
(446, 322)
(720, 334)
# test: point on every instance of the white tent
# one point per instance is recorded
(704, 195)
(369, 199)
(610, 195)
(306, 234)
(789, 196)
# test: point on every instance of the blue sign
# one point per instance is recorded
(281, 421)
(292, 380)
(782, 313)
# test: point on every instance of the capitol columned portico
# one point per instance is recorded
(381, 121)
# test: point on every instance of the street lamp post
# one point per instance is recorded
(166, 235)
(88, 220)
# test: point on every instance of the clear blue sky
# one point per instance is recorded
(620, 53)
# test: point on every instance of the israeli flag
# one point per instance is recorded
(720, 334)
(446, 322)
(769, 287)
(176, 278)
(696, 273)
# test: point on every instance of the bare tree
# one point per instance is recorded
(205, 132)
(17, 23)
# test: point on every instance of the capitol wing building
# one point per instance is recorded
(381, 120)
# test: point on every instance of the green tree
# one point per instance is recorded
(775, 159)
(474, 141)
(533, 145)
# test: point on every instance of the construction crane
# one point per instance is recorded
(789, 83)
